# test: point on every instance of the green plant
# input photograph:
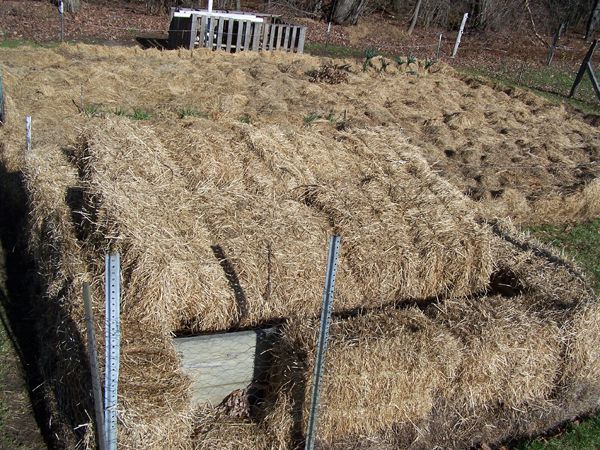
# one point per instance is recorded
(331, 117)
(91, 110)
(190, 112)
(245, 118)
(120, 111)
(429, 63)
(311, 118)
(139, 114)
(399, 60)
(411, 59)
(370, 53)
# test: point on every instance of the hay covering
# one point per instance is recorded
(456, 374)
(212, 244)
(449, 332)
(513, 152)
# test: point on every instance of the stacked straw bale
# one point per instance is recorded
(230, 233)
(225, 225)
(458, 373)
(155, 411)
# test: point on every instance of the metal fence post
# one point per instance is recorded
(332, 259)
(61, 12)
(112, 347)
(587, 66)
(93, 357)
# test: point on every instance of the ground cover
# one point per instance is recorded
(63, 90)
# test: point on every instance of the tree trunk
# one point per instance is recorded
(346, 12)
(71, 5)
(480, 10)
(593, 21)
(415, 17)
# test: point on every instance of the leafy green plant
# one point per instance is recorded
(139, 114)
(399, 60)
(331, 117)
(370, 53)
(91, 110)
(245, 118)
(311, 118)
(190, 112)
(429, 63)
(411, 59)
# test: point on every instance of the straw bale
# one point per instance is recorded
(510, 356)
(382, 370)
(155, 405)
(583, 368)
(257, 221)
(370, 184)
(139, 205)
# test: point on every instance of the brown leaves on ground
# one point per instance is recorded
(330, 74)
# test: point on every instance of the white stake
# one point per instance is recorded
(460, 32)
(28, 133)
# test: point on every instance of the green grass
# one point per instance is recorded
(92, 110)
(136, 114)
(311, 118)
(139, 114)
(582, 242)
(551, 83)
(582, 436)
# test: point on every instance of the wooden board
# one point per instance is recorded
(229, 35)
(219, 364)
(301, 40)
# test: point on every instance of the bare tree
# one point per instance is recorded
(346, 12)
(593, 21)
(415, 17)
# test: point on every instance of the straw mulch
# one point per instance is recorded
(448, 332)
(229, 233)
(511, 151)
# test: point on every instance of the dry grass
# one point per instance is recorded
(218, 232)
(223, 224)
(514, 153)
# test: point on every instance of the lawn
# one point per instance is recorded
(582, 242)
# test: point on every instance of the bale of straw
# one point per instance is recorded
(483, 369)
(382, 371)
(223, 232)
(154, 408)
